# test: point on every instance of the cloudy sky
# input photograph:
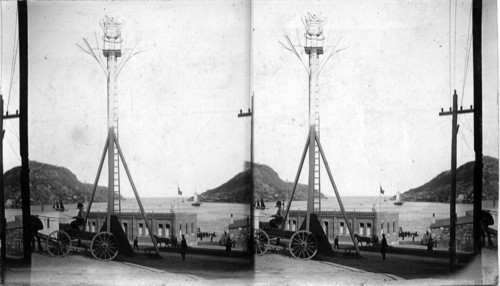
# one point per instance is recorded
(201, 61)
(178, 99)
(380, 96)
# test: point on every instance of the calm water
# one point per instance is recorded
(413, 216)
(211, 216)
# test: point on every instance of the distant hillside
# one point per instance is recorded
(50, 183)
(438, 189)
(270, 187)
(267, 185)
(236, 190)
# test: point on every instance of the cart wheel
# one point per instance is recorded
(104, 246)
(58, 243)
(260, 241)
(303, 245)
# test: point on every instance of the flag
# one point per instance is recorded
(179, 191)
(381, 190)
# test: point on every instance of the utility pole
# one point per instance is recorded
(241, 114)
(477, 6)
(246, 114)
(453, 194)
(22, 8)
(3, 221)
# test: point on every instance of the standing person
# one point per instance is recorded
(384, 246)
(136, 243)
(336, 242)
(228, 244)
(35, 225)
(183, 247)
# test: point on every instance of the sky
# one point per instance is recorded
(201, 60)
(380, 96)
(178, 99)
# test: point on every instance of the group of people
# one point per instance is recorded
(202, 234)
(404, 234)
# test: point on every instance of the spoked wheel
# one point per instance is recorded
(104, 246)
(303, 245)
(58, 243)
(260, 241)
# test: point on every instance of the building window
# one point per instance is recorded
(361, 228)
(294, 225)
(187, 228)
(341, 229)
(368, 229)
(382, 228)
(160, 229)
(180, 229)
(394, 227)
(141, 229)
(192, 227)
(388, 228)
(92, 229)
(167, 230)
(146, 230)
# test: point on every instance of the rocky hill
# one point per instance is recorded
(267, 185)
(438, 189)
(48, 184)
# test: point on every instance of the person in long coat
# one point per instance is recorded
(183, 247)
(383, 249)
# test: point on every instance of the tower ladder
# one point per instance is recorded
(317, 156)
(116, 185)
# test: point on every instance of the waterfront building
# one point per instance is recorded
(440, 231)
(161, 224)
(363, 224)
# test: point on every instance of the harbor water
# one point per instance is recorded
(413, 216)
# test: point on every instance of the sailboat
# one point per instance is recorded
(398, 201)
(195, 202)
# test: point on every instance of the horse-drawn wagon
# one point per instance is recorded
(102, 245)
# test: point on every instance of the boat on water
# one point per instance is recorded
(195, 202)
(398, 201)
(261, 205)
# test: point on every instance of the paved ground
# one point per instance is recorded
(203, 268)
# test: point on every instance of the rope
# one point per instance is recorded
(14, 57)
(1, 46)
(468, 48)
(449, 49)
(455, 48)
(463, 138)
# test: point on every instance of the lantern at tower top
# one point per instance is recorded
(314, 31)
(112, 37)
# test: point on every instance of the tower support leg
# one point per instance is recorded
(103, 156)
(297, 178)
(327, 167)
(136, 195)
